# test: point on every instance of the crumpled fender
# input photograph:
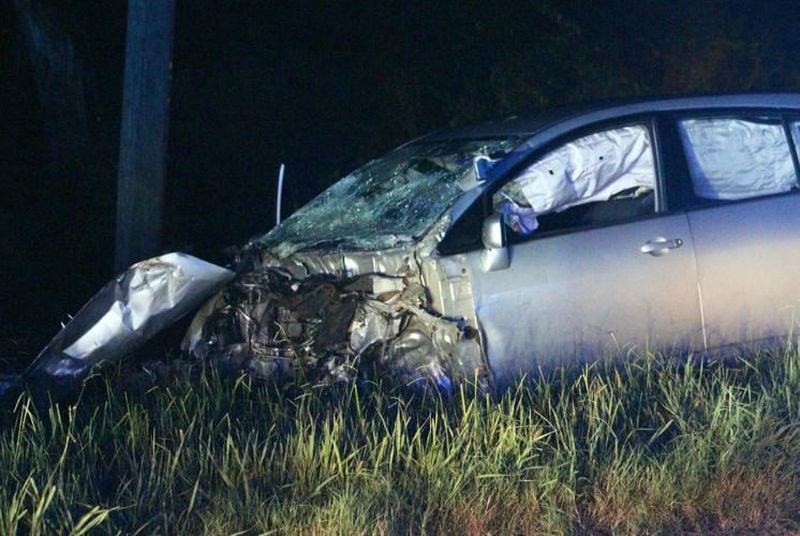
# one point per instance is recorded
(123, 315)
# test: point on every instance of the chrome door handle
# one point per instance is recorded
(660, 246)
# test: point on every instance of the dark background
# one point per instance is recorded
(320, 86)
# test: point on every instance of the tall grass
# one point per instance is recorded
(651, 447)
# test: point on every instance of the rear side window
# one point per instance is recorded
(736, 158)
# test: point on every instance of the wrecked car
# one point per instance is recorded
(501, 250)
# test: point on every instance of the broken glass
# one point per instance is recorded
(389, 201)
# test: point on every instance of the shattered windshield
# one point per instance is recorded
(389, 201)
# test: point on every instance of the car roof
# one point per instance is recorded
(528, 124)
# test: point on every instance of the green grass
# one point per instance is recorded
(649, 448)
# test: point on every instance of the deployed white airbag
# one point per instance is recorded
(733, 159)
(592, 168)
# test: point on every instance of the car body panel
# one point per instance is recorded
(584, 295)
(748, 264)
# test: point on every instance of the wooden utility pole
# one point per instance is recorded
(143, 134)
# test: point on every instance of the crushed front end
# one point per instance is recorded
(350, 286)
(325, 327)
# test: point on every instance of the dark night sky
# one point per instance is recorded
(322, 87)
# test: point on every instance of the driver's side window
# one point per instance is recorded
(597, 179)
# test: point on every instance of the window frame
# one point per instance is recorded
(484, 201)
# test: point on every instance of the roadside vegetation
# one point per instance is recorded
(654, 447)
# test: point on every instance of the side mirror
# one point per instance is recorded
(495, 255)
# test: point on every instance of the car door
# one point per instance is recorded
(580, 289)
(744, 215)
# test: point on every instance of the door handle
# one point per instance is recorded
(660, 246)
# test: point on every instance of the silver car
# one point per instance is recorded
(516, 246)
(661, 225)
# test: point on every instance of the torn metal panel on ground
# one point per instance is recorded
(128, 311)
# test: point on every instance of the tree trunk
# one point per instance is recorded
(143, 135)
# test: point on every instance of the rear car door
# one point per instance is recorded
(595, 270)
(744, 212)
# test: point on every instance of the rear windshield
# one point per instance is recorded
(389, 201)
